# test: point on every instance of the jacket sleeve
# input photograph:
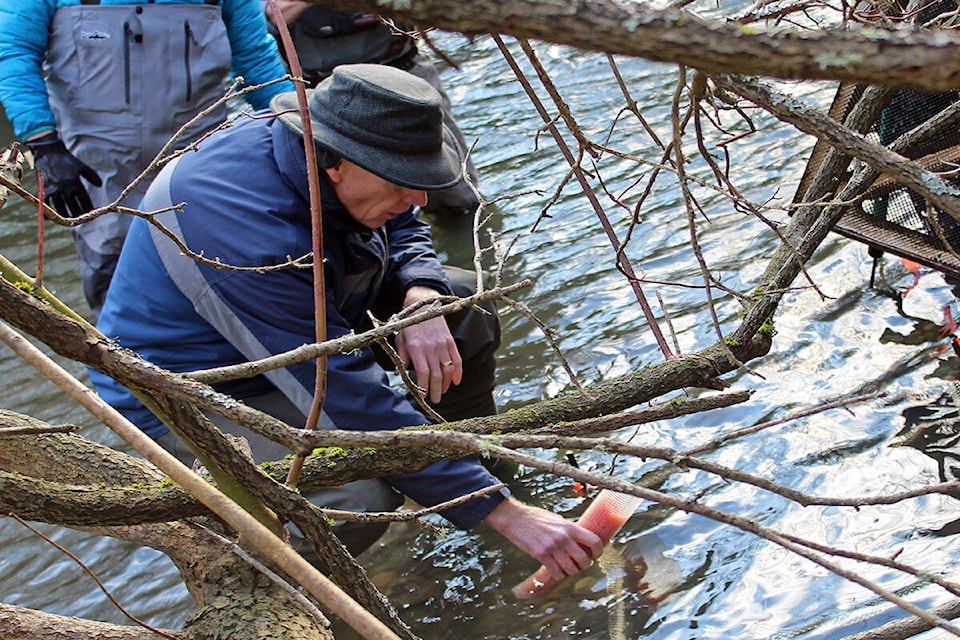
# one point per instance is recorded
(24, 29)
(412, 259)
(359, 398)
(254, 51)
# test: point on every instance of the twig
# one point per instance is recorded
(418, 392)
(587, 190)
(550, 336)
(11, 170)
(37, 430)
(41, 195)
(350, 342)
(90, 573)
(305, 261)
(316, 226)
(680, 163)
(404, 516)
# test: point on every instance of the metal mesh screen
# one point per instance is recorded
(891, 217)
(940, 153)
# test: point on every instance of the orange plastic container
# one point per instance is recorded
(605, 516)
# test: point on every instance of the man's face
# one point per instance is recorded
(369, 199)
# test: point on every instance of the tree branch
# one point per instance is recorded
(871, 55)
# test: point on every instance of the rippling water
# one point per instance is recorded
(702, 579)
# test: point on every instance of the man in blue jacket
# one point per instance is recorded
(95, 88)
(381, 146)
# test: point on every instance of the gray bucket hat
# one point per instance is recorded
(382, 119)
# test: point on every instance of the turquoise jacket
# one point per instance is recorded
(25, 27)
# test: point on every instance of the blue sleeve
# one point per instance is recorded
(358, 397)
(24, 29)
(254, 51)
(412, 259)
(448, 479)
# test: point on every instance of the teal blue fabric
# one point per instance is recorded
(25, 27)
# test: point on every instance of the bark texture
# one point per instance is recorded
(869, 55)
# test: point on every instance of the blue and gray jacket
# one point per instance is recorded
(248, 205)
(26, 27)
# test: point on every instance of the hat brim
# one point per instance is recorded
(423, 171)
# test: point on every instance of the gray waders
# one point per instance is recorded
(122, 79)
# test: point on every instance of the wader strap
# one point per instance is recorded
(98, 1)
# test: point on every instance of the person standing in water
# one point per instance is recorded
(95, 88)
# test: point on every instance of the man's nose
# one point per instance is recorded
(417, 197)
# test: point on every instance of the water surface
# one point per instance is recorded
(701, 579)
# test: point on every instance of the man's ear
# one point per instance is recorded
(334, 174)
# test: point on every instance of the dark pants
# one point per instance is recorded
(477, 334)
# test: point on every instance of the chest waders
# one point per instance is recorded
(122, 79)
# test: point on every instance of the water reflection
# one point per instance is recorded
(934, 430)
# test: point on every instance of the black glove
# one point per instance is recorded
(61, 175)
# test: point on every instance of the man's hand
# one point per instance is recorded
(429, 348)
(61, 173)
(563, 547)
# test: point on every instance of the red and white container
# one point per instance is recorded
(605, 516)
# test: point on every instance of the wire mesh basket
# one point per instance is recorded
(890, 217)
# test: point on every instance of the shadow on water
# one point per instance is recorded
(934, 430)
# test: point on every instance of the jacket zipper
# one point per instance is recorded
(126, 61)
(187, 36)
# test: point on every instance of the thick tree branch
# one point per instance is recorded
(18, 623)
(927, 60)
(46, 478)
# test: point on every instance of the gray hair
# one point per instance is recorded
(326, 158)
